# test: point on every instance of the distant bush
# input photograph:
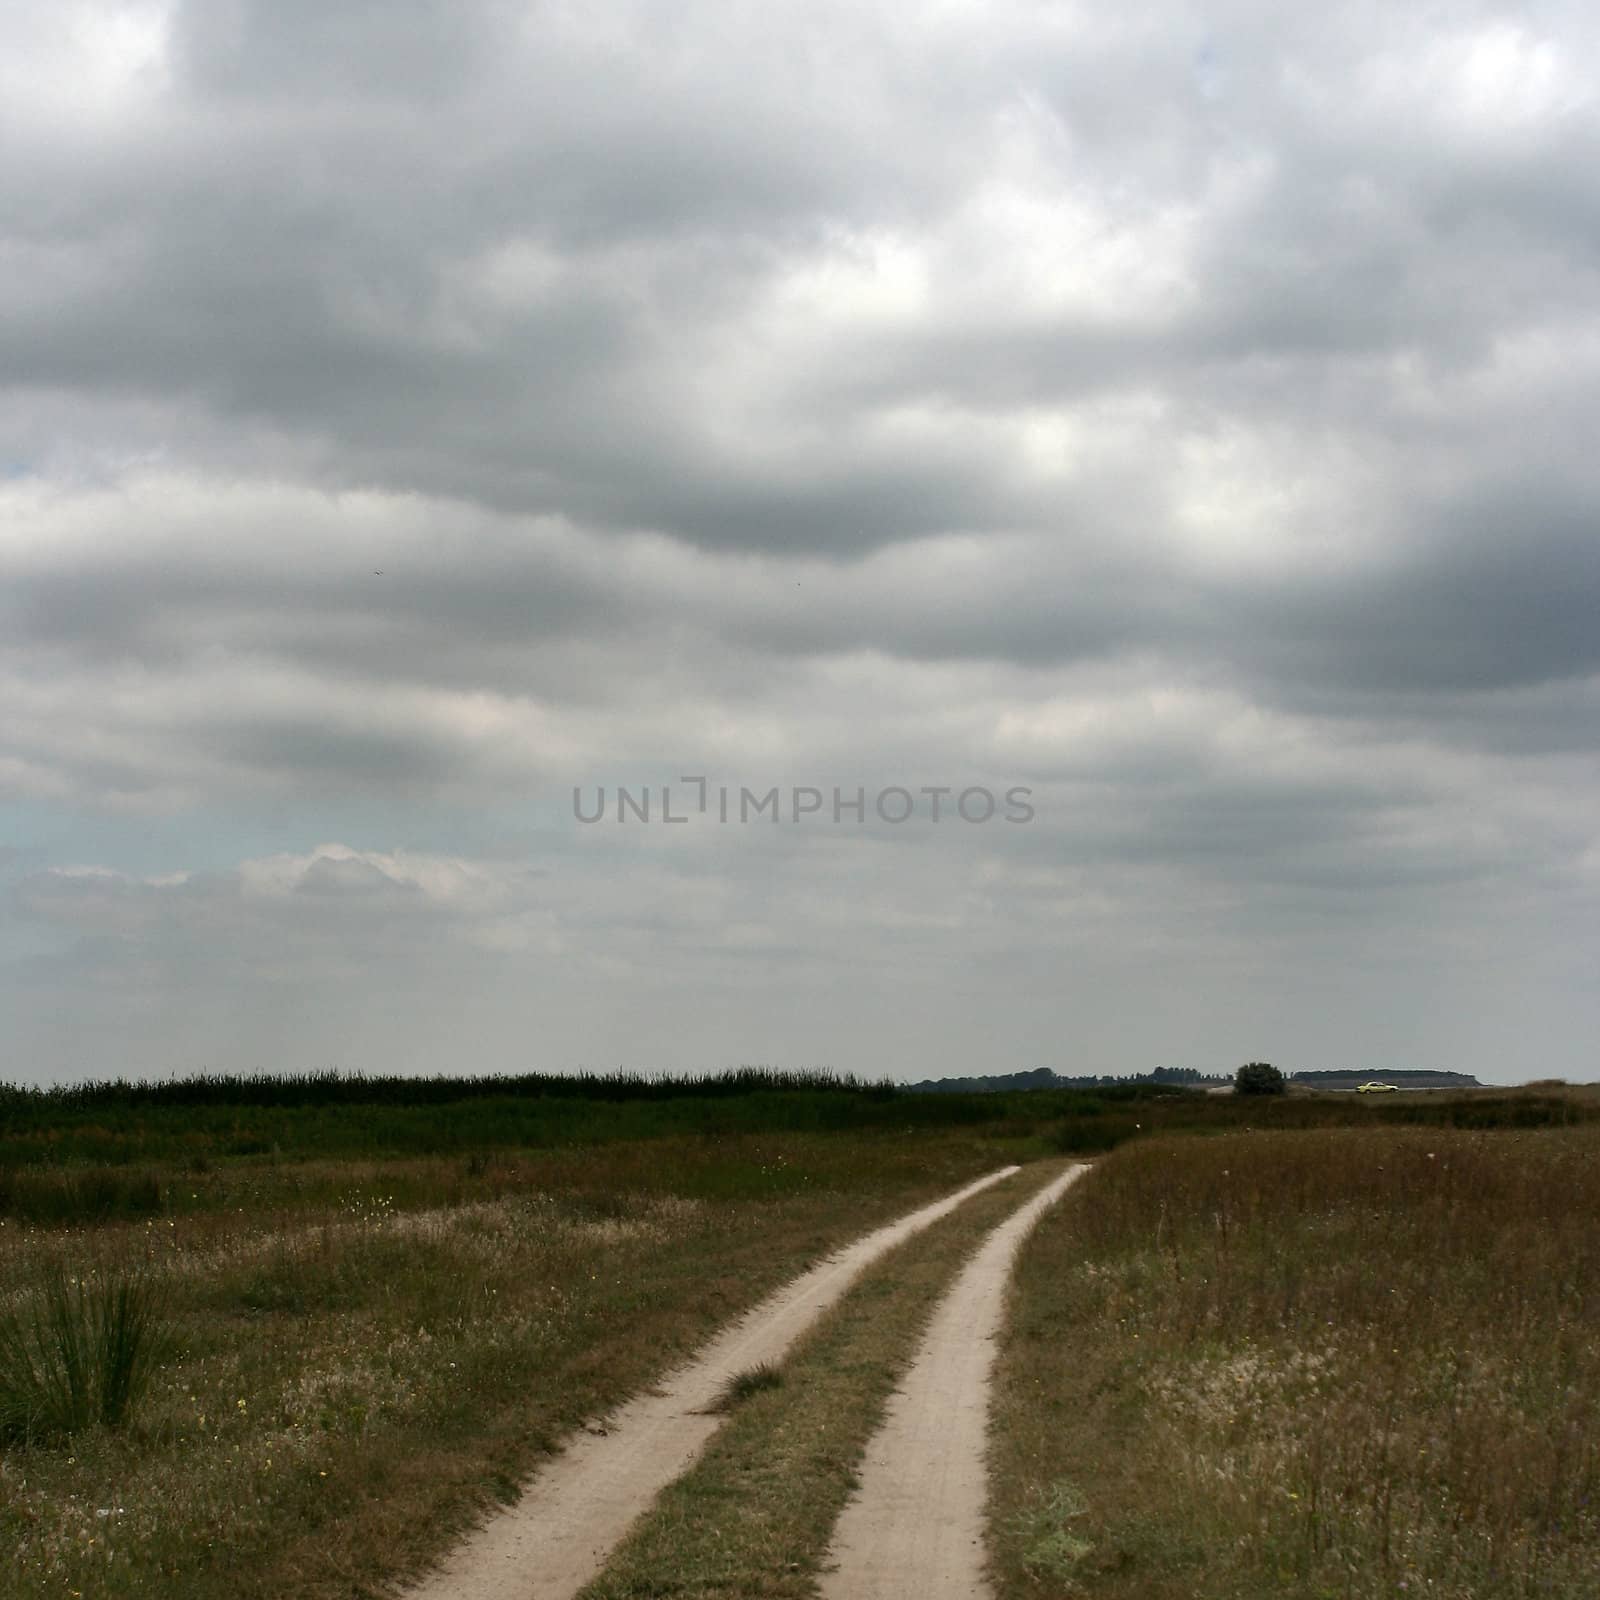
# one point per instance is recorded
(79, 1354)
(1259, 1077)
(100, 1153)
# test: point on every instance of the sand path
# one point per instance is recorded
(914, 1528)
(579, 1505)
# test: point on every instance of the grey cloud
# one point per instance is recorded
(420, 49)
(1190, 416)
(1503, 595)
(303, 267)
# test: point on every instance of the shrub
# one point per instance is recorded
(79, 1354)
(1259, 1077)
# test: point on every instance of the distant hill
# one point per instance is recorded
(1409, 1077)
(1045, 1078)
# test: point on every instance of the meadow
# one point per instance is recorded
(1335, 1363)
(370, 1344)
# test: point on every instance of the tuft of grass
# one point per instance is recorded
(78, 1353)
(745, 1385)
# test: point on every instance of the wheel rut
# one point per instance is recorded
(913, 1530)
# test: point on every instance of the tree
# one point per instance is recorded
(1259, 1077)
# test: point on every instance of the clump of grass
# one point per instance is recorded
(745, 1385)
(77, 1354)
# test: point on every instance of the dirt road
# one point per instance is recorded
(577, 1508)
(914, 1528)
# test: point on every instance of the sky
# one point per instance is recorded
(419, 419)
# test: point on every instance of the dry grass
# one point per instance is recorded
(1341, 1364)
(372, 1352)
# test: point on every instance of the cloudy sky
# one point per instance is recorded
(410, 412)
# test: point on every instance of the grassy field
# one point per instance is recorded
(1339, 1363)
(371, 1350)
(390, 1297)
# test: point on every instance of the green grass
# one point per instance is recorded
(1339, 1363)
(395, 1294)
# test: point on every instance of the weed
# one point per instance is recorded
(1049, 1545)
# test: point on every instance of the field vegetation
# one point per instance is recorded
(1343, 1363)
(101, 1151)
(363, 1348)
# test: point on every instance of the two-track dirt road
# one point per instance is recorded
(914, 1528)
(578, 1507)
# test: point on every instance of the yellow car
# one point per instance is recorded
(1376, 1088)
